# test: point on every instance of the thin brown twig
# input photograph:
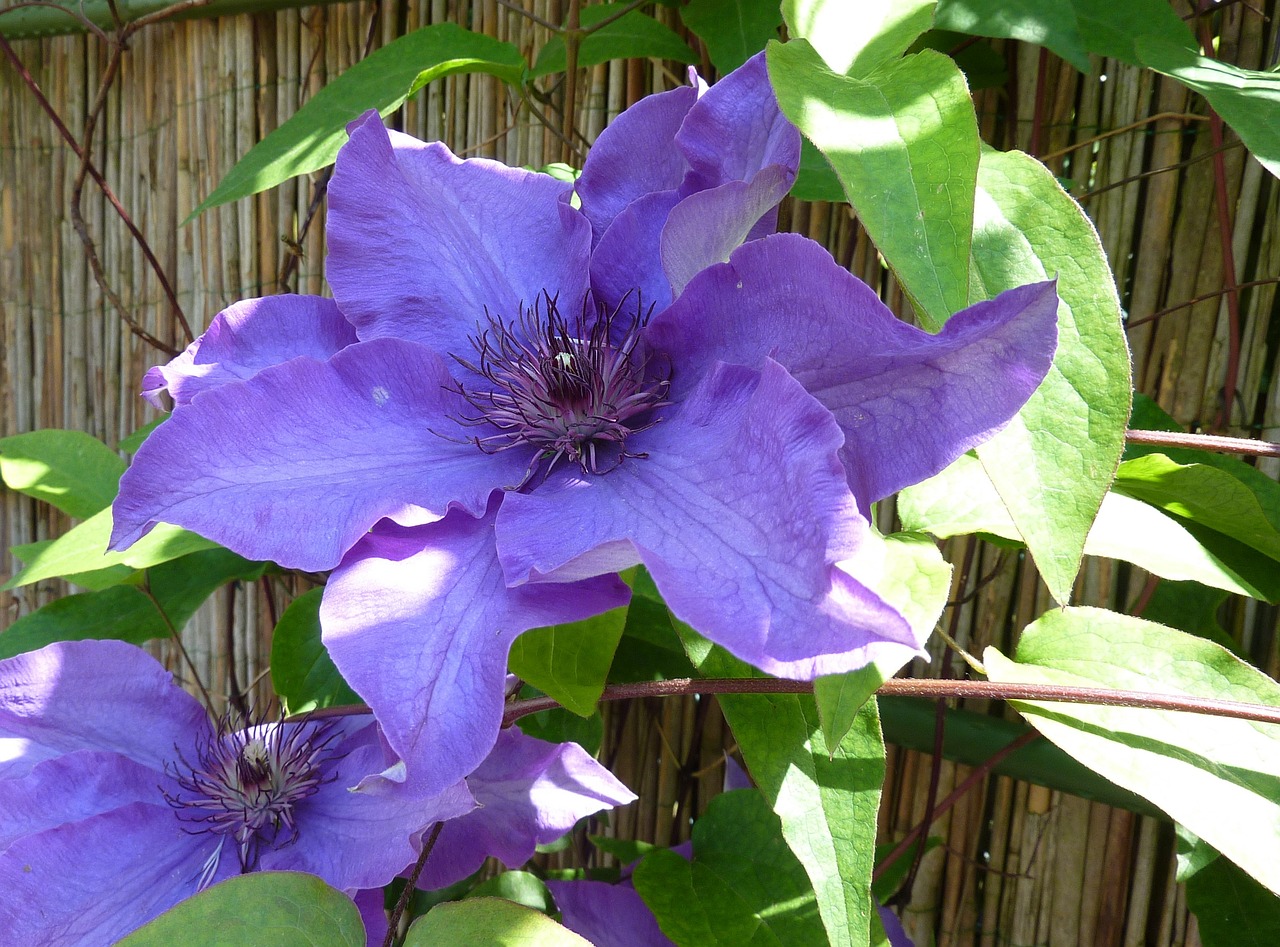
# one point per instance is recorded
(1133, 178)
(1159, 116)
(145, 588)
(529, 15)
(410, 886)
(1198, 299)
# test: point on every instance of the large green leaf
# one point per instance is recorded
(742, 886)
(125, 611)
(84, 549)
(855, 38)
(825, 795)
(1232, 910)
(570, 662)
(633, 36)
(1054, 462)
(734, 30)
(903, 141)
(71, 470)
(522, 887)
(1113, 29)
(1246, 99)
(302, 673)
(91, 581)
(310, 138)
(1219, 777)
(280, 908)
(1049, 23)
(492, 922)
(908, 572)
(962, 500)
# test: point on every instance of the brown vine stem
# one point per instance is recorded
(1134, 323)
(410, 886)
(1111, 133)
(1213, 442)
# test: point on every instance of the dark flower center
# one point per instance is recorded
(246, 783)
(567, 389)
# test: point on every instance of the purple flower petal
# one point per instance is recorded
(422, 244)
(608, 915)
(908, 402)
(627, 265)
(530, 793)
(295, 464)
(739, 511)
(92, 695)
(247, 337)
(737, 129)
(435, 597)
(893, 928)
(634, 156)
(94, 881)
(371, 904)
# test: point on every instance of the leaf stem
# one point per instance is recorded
(411, 885)
(1211, 442)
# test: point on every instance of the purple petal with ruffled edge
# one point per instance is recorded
(94, 881)
(608, 915)
(92, 695)
(247, 337)
(740, 110)
(908, 402)
(298, 462)
(739, 511)
(530, 793)
(435, 597)
(422, 243)
(627, 265)
(635, 155)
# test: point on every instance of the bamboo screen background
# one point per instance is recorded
(1021, 865)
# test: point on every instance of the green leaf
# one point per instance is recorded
(1189, 607)
(742, 886)
(1114, 29)
(71, 470)
(1219, 777)
(895, 873)
(983, 67)
(84, 549)
(816, 180)
(280, 908)
(1048, 23)
(855, 38)
(93, 581)
(826, 795)
(1053, 463)
(1232, 909)
(650, 649)
(132, 442)
(124, 611)
(903, 141)
(489, 921)
(302, 673)
(908, 572)
(623, 849)
(561, 726)
(311, 137)
(518, 886)
(734, 30)
(570, 662)
(634, 36)
(1245, 98)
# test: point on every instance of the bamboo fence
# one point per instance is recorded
(1020, 864)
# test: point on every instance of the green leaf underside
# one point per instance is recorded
(854, 39)
(492, 922)
(310, 138)
(570, 662)
(125, 611)
(1232, 909)
(302, 673)
(903, 140)
(1219, 777)
(742, 886)
(634, 36)
(734, 30)
(1113, 29)
(70, 470)
(1053, 463)
(280, 908)
(84, 549)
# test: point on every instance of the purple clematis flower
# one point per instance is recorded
(118, 797)
(541, 395)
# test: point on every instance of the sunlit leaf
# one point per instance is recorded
(71, 470)
(489, 921)
(633, 36)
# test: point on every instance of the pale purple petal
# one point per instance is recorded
(635, 155)
(893, 928)
(371, 903)
(92, 695)
(908, 402)
(247, 337)
(530, 793)
(737, 129)
(739, 512)
(363, 839)
(608, 915)
(735, 777)
(435, 597)
(627, 265)
(295, 464)
(94, 881)
(422, 243)
(72, 787)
